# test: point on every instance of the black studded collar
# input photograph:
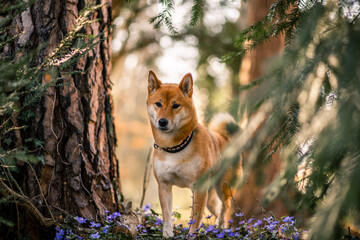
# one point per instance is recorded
(179, 147)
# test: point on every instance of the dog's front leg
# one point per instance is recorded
(165, 195)
(199, 202)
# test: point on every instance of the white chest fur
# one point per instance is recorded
(180, 169)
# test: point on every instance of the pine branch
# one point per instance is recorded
(164, 18)
(197, 12)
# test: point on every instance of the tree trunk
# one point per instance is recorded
(74, 120)
(252, 67)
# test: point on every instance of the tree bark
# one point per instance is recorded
(74, 120)
(249, 198)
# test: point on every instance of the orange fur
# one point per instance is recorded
(184, 168)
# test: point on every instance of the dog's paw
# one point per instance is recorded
(168, 231)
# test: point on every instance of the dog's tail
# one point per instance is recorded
(224, 124)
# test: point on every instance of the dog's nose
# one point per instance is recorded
(163, 122)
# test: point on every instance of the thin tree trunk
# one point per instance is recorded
(74, 120)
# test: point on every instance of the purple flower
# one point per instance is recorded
(106, 229)
(288, 219)
(241, 223)
(268, 219)
(220, 235)
(158, 221)
(283, 229)
(92, 224)
(231, 234)
(258, 223)
(191, 222)
(296, 236)
(110, 218)
(231, 221)
(106, 211)
(95, 235)
(80, 219)
(117, 214)
(250, 220)
(209, 216)
(147, 207)
(209, 229)
(237, 235)
(271, 227)
(240, 214)
(59, 233)
(80, 238)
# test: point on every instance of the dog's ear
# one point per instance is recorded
(153, 83)
(186, 85)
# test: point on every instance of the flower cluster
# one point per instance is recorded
(81, 228)
(266, 228)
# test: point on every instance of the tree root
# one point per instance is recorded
(28, 205)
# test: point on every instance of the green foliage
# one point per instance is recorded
(311, 114)
(197, 12)
(165, 17)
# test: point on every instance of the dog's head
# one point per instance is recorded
(170, 106)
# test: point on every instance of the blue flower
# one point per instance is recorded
(237, 235)
(288, 219)
(106, 229)
(147, 207)
(231, 221)
(106, 211)
(59, 233)
(209, 229)
(231, 234)
(271, 227)
(220, 235)
(110, 218)
(283, 229)
(250, 220)
(158, 221)
(95, 235)
(80, 219)
(258, 223)
(116, 214)
(92, 224)
(240, 214)
(274, 222)
(191, 222)
(241, 223)
(296, 236)
(209, 216)
(80, 238)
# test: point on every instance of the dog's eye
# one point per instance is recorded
(158, 104)
(175, 106)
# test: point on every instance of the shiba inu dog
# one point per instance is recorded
(184, 150)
